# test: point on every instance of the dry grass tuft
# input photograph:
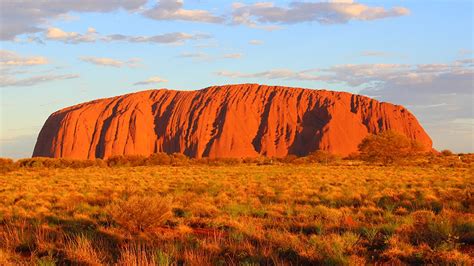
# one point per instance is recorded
(140, 213)
(81, 250)
(137, 254)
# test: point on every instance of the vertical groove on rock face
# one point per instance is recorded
(222, 121)
(103, 143)
(263, 127)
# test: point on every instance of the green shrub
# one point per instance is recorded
(388, 147)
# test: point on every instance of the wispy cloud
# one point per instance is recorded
(271, 74)
(195, 55)
(17, 147)
(151, 80)
(167, 38)
(201, 56)
(110, 62)
(374, 54)
(233, 56)
(57, 34)
(9, 81)
(369, 75)
(255, 42)
(464, 52)
(13, 65)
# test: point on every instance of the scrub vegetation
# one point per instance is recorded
(170, 210)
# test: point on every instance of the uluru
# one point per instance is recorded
(246, 120)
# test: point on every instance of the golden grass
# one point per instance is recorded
(139, 213)
(237, 214)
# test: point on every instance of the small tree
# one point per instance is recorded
(446, 153)
(388, 147)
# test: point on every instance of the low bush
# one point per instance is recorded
(370, 154)
(140, 213)
(446, 153)
(126, 160)
(321, 156)
(218, 161)
(159, 159)
(39, 162)
(430, 229)
(7, 165)
(179, 159)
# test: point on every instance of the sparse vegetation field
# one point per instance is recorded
(242, 214)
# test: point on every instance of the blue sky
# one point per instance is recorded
(58, 53)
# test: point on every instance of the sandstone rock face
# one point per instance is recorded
(246, 120)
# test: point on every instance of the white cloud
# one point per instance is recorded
(255, 42)
(58, 34)
(333, 12)
(104, 61)
(12, 59)
(29, 16)
(151, 80)
(173, 10)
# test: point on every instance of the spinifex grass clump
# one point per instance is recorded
(140, 213)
